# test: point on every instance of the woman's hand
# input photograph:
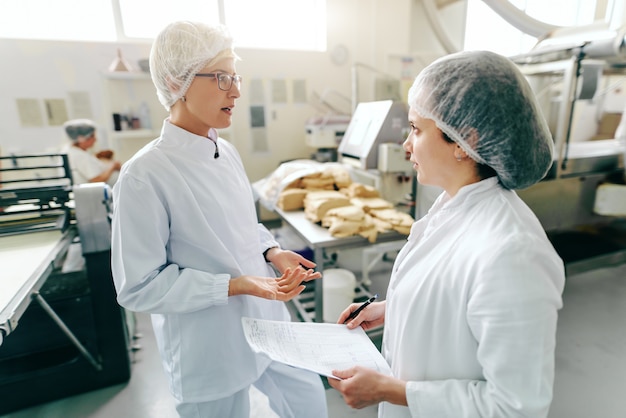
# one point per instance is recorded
(362, 387)
(286, 259)
(282, 288)
(370, 317)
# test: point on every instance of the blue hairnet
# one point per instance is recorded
(79, 128)
(483, 102)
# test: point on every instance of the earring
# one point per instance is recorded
(459, 158)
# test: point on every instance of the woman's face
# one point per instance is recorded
(86, 142)
(432, 156)
(206, 105)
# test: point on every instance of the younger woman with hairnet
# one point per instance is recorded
(187, 248)
(471, 310)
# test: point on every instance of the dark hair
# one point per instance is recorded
(483, 170)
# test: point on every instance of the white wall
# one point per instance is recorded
(51, 70)
(375, 32)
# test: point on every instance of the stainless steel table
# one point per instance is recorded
(319, 239)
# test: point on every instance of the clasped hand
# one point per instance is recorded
(294, 270)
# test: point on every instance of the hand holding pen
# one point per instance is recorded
(358, 310)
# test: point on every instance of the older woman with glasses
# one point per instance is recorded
(187, 247)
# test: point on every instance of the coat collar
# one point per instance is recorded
(175, 136)
(466, 195)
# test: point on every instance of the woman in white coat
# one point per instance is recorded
(87, 167)
(471, 310)
(188, 249)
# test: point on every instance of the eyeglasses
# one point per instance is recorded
(224, 81)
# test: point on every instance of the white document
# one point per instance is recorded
(318, 347)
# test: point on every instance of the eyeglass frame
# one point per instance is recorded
(232, 79)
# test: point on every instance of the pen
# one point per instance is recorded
(360, 308)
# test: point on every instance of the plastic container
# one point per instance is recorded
(144, 116)
(620, 131)
(620, 135)
(338, 292)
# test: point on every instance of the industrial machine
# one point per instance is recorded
(61, 329)
(570, 75)
(325, 133)
(372, 147)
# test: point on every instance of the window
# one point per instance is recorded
(58, 20)
(277, 24)
(485, 29)
(281, 24)
(145, 18)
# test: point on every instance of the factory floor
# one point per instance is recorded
(590, 365)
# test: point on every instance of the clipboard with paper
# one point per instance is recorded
(318, 347)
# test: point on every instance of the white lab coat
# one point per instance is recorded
(83, 164)
(185, 223)
(472, 309)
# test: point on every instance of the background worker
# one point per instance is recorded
(87, 167)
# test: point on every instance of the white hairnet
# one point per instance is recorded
(79, 128)
(182, 49)
(483, 102)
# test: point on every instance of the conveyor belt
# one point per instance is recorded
(27, 260)
(65, 333)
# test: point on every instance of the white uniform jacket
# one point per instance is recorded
(83, 164)
(472, 309)
(184, 223)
